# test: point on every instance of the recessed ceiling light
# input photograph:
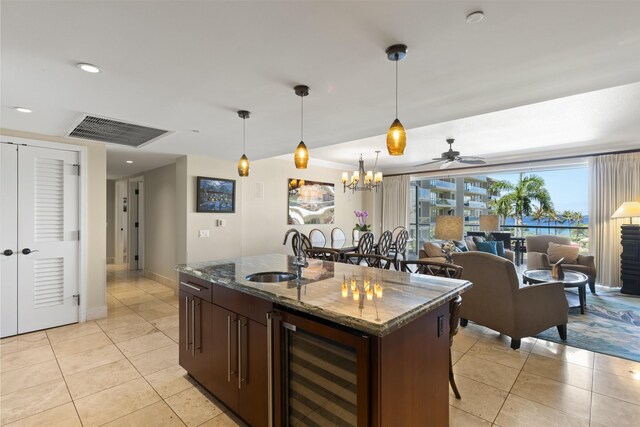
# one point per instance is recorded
(22, 109)
(474, 17)
(89, 68)
(129, 161)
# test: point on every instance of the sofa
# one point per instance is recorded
(432, 251)
(537, 257)
(496, 300)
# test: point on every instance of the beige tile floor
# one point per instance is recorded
(123, 371)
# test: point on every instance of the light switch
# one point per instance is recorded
(203, 233)
(222, 223)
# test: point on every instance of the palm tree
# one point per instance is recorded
(501, 208)
(551, 216)
(567, 216)
(538, 214)
(521, 195)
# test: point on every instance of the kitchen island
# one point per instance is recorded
(339, 345)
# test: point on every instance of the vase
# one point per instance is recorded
(356, 237)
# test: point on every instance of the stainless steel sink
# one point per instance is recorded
(271, 277)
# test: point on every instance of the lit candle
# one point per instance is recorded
(369, 294)
(345, 290)
(378, 289)
(356, 176)
(353, 283)
(345, 177)
(356, 294)
(367, 284)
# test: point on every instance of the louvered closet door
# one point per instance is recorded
(48, 195)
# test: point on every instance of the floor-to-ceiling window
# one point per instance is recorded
(475, 195)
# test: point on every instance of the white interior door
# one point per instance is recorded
(48, 235)
(8, 239)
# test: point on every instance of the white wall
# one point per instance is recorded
(111, 221)
(96, 259)
(223, 242)
(160, 224)
(264, 221)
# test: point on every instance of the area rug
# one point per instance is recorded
(610, 325)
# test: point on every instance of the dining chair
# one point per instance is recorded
(400, 247)
(318, 240)
(365, 247)
(432, 268)
(454, 321)
(338, 238)
(306, 243)
(369, 260)
(384, 243)
(323, 254)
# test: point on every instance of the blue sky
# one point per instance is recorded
(568, 187)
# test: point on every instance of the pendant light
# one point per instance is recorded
(396, 136)
(243, 163)
(301, 155)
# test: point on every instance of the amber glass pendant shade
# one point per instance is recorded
(243, 166)
(301, 156)
(396, 139)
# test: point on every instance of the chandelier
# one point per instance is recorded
(361, 181)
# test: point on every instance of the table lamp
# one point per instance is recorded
(489, 223)
(630, 240)
(449, 228)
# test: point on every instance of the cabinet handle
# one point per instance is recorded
(269, 370)
(195, 288)
(186, 323)
(193, 327)
(229, 371)
(239, 353)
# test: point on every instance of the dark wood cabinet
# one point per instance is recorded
(223, 346)
(630, 259)
(196, 349)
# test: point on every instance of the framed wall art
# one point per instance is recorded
(311, 202)
(216, 195)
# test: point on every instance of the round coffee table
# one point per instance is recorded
(572, 279)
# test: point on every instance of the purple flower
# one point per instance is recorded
(362, 217)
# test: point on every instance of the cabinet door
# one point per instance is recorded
(196, 339)
(186, 359)
(252, 348)
(224, 372)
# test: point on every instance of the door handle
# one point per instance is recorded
(7, 252)
(27, 251)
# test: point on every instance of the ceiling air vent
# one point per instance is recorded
(114, 131)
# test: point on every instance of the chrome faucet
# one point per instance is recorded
(301, 257)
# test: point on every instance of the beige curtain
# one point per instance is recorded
(395, 202)
(613, 179)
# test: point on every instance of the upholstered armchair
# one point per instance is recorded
(537, 257)
(497, 301)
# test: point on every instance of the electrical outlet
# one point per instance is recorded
(203, 233)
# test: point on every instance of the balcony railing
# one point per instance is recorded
(476, 205)
(475, 190)
(438, 183)
(443, 202)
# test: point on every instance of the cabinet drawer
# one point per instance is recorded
(245, 305)
(196, 287)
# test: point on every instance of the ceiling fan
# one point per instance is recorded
(451, 156)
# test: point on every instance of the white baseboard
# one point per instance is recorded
(97, 313)
(172, 283)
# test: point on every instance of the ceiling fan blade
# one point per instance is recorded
(468, 161)
(429, 163)
(446, 164)
(470, 158)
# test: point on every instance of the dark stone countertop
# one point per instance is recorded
(319, 292)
